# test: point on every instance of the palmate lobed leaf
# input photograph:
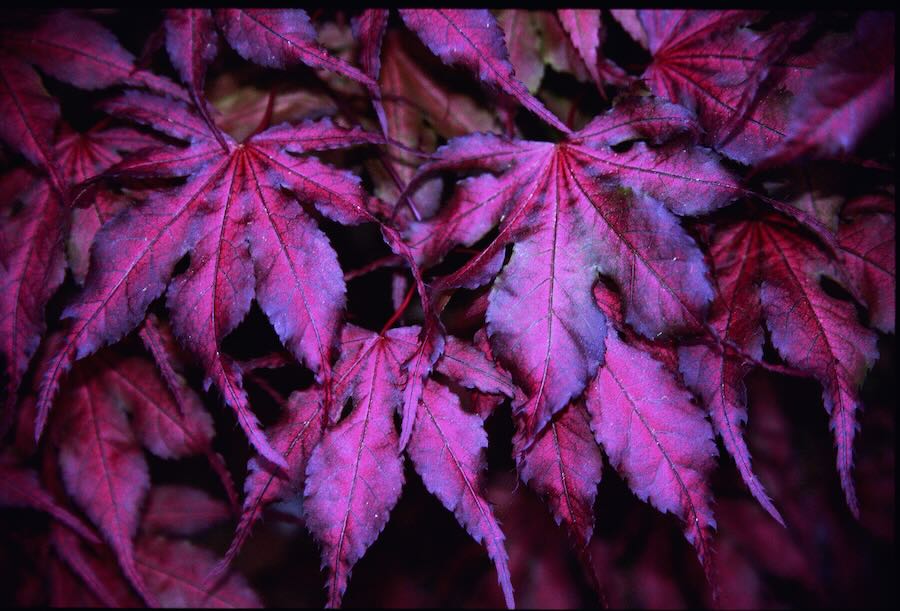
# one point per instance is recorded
(248, 239)
(32, 241)
(574, 210)
(770, 271)
(608, 302)
(355, 475)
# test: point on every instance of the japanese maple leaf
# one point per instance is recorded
(635, 389)
(175, 570)
(472, 38)
(586, 33)
(274, 38)
(248, 238)
(295, 437)
(32, 241)
(564, 465)
(95, 436)
(770, 270)
(20, 487)
(419, 107)
(845, 96)
(574, 210)
(94, 429)
(81, 52)
(711, 63)
(867, 239)
(355, 475)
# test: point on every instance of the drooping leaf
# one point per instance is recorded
(97, 439)
(248, 238)
(355, 475)
(771, 271)
(656, 438)
(815, 332)
(565, 466)
(295, 437)
(574, 210)
(717, 375)
(446, 449)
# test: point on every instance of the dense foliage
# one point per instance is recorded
(402, 247)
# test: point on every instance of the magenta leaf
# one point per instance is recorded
(97, 437)
(280, 38)
(656, 438)
(584, 29)
(446, 449)
(574, 210)
(181, 510)
(192, 43)
(175, 571)
(248, 237)
(355, 475)
(709, 62)
(815, 332)
(295, 437)
(869, 255)
(565, 466)
(472, 38)
(717, 375)
(846, 95)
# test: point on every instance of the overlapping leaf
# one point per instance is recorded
(574, 210)
(711, 63)
(472, 38)
(248, 239)
(355, 476)
(771, 271)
